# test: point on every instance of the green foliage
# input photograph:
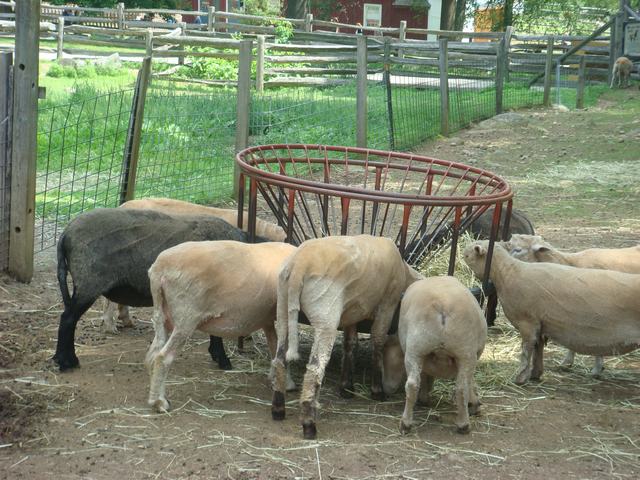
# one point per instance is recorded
(172, 4)
(284, 31)
(209, 68)
(88, 70)
(264, 8)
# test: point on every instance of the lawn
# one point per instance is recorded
(188, 134)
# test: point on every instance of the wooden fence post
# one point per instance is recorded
(444, 86)
(6, 84)
(211, 19)
(308, 22)
(612, 49)
(402, 36)
(582, 70)
(120, 15)
(386, 76)
(24, 140)
(132, 147)
(148, 42)
(361, 92)
(60, 38)
(500, 73)
(507, 51)
(183, 33)
(260, 64)
(618, 39)
(548, 71)
(243, 106)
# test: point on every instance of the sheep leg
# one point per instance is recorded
(538, 359)
(160, 365)
(425, 390)
(474, 401)
(216, 350)
(598, 366)
(492, 307)
(124, 317)
(346, 380)
(568, 359)
(272, 342)
(109, 316)
(530, 336)
(65, 356)
(325, 337)
(279, 362)
(464, 385)
(411, 388)
(379, 330)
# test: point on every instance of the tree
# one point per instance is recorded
(297, 8)
(172, 4)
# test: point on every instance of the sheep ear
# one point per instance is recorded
(539, 248)
(480, 250)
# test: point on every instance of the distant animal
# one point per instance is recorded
(532, 248)
(589, 311)
(621, 73)
(222, 288)
(442, 333)
(337, 282)
(108, 251)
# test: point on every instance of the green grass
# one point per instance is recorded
(79, 46)
(188, 137)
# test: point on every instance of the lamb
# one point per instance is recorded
(532, 248)
(222, 288)
(593, 312)
(336, 282)
(621, 72)
(178, 207)
(442, 332)
(108, 251)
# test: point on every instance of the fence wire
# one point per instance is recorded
(80, 151)
(472, 91)
(187, 145)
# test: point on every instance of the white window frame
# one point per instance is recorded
(373, 7)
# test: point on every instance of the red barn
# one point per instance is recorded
(382, 13)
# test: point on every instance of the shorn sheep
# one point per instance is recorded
(532, 248)
(170, 206)
(337, 282)
(621, 73)
(222, 288)
(108, 251)
(592, 312)
(442, 333)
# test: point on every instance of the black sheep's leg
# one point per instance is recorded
(216, 350)
(65, 356)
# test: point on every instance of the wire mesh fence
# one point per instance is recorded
(80, 151)
(187, 145)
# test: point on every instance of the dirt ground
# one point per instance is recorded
(575, 173)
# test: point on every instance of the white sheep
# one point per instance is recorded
(532, 248)
(593, 312)
(222, 288)
(112, 312)
(336, 282)
(442, 331)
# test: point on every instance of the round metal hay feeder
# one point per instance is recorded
(318, 190)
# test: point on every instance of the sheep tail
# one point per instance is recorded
(294, 289)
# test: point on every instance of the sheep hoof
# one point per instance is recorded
(309, 431)
(404, 428)
(277, 406)
(378, 396)
(66, 362)
(346, 392)
(161, 405)
(463, 429)
(521, 380)
(474, 409)
(224, 364)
